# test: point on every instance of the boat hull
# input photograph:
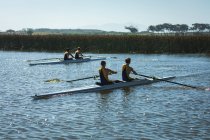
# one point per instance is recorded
(67, 61)
(96, 88)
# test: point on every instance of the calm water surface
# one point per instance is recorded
(157, 111)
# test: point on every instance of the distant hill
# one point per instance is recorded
(67, 31)
(48, 31)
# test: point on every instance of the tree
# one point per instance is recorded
(184, 28)
(166, 26)
(132, 29)
(10, 31)
(159, 28)
(151, 28)
(180, 29)
(208, 27)
(29, 31)
(199, 27)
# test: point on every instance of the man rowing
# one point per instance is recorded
(126, 70)
(67, 53)
(78, 54)
(104, 73)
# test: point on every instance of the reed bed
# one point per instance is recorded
(107, 43)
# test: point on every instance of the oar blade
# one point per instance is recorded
(53, 80)
(207, 89)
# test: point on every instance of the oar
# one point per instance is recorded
(58, 80)
(190, 86)
(114, 57)
(95, 76)
(54, 80)
(44, 59)
(87, 56)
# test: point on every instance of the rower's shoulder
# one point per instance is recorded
(124, 66)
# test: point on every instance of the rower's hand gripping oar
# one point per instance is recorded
(58, 80)
(194, 87)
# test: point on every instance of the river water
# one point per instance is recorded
(157, 111)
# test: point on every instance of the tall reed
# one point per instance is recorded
(107, 43)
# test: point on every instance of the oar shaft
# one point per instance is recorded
(177, 83)
(145, 76)
(169, 81)
(83, 78)
(114, 57)
(43, 59)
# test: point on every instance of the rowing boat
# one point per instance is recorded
(67, 61)
(97, 88)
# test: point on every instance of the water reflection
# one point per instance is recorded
(127, 91)
(105, 92)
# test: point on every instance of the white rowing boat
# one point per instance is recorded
(67, 61)
(96, 88)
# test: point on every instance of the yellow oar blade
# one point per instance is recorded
(207, 89)
(53, 80)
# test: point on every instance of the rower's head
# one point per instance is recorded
(127, 60)
(68, 50)
(103, 63)
(78, 48)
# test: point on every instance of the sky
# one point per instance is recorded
(109, 15)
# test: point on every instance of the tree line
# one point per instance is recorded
(179, 28)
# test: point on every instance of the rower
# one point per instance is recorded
(126, 70)
(67, 54)
(104, 73)
(78, 54)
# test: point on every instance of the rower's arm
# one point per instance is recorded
(134, 72)
(71, 55)
(112, 72)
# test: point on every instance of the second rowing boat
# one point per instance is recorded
(67, 61)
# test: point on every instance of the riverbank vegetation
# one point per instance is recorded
(107, 43)
(180, 28)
